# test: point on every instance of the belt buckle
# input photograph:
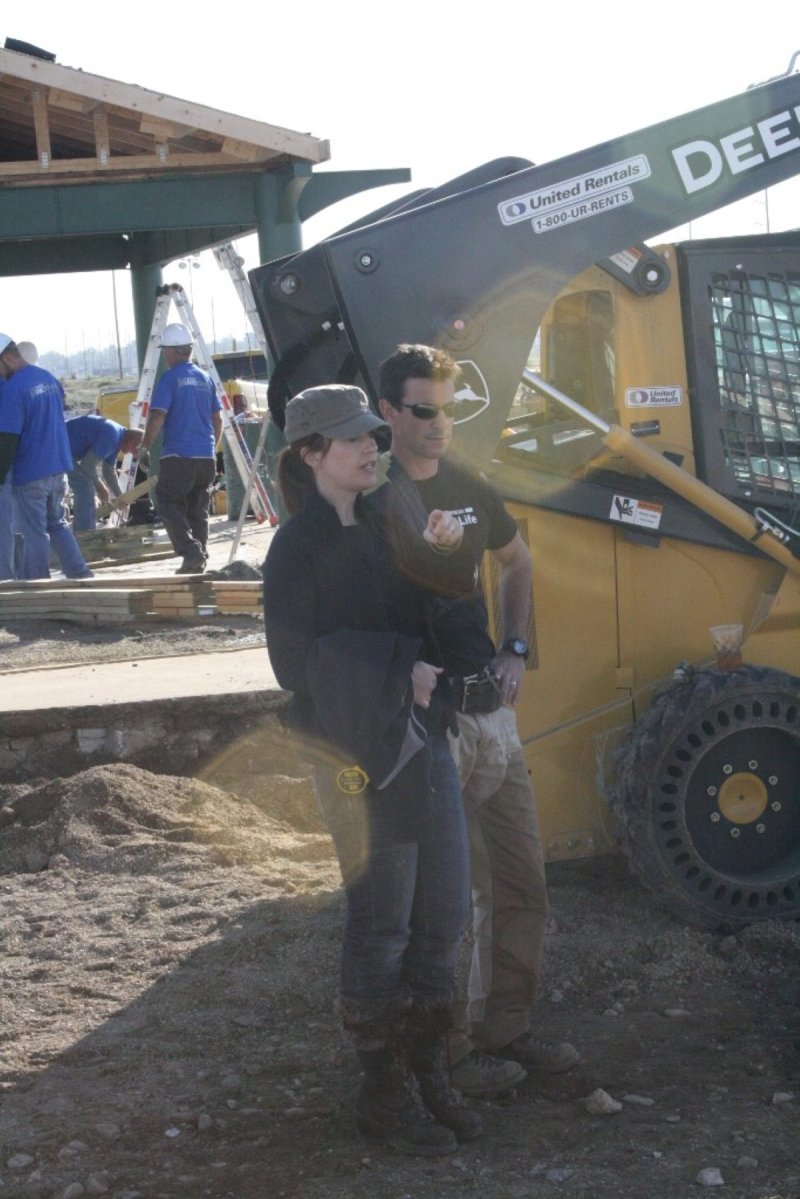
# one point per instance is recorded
(469, 684)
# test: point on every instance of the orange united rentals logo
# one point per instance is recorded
(352, 780)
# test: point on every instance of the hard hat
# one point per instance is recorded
(28, 351)
(5, 341)
(176, 335)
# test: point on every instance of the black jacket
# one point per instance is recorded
(321, 577)
(344, 627)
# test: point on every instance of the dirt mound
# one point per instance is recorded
(240, 569)
(119, 818)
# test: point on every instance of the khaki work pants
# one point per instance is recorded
(509, 892)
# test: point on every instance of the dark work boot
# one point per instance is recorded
(192, 566)
(425, 1043)
(389, 1108)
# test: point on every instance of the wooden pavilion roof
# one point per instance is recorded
(59, 124)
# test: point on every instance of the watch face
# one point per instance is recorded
(516, 646)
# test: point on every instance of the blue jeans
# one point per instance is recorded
(42, 519)
(9, 563)
(407, 900)
(84, 505)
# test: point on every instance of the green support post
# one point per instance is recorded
(145, 281)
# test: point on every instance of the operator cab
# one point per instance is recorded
(577, 346)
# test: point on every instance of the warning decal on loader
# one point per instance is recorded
(636, 512)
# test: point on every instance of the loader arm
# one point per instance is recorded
(474, 270)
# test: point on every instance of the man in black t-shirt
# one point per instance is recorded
(492, 1048)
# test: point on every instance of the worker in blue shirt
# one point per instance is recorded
(33, 443)
(186, 407)
(10, 537)
(96, 443)
(7, 522)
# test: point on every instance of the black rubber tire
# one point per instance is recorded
(706, 797)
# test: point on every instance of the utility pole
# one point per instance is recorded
(116, 322)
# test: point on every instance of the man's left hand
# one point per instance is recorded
(509, 670)
(444, 531)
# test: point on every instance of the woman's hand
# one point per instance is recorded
(424, 678)
(443, 531)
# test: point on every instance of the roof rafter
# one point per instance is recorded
(61, 123)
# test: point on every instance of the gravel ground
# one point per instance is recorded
(168, 1021)
(169, 1028)
(26, 645)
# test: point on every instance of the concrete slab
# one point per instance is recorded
(140, 681)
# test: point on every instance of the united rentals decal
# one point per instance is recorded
(653, 397)
(578, 198)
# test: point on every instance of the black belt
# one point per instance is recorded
(476, 692)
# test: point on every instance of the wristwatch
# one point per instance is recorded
(516, 646)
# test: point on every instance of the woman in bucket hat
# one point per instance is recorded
(346, 633)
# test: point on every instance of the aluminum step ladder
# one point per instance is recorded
(167, 296)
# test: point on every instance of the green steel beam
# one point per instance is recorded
(65, 255)
(188, 202)
(328, 187)
(137, 206)
(59, 255)
(165, 245)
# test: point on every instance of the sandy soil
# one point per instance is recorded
(168, 1020)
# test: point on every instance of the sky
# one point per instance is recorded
(438, 88)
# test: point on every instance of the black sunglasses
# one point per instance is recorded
(431, 411)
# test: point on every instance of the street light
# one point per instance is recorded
(191, 263)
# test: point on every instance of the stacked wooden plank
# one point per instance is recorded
(107, 600)
(92, 606)
(187, 596)
(237, 596)
(123, 543)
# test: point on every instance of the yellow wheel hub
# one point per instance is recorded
(742, 798)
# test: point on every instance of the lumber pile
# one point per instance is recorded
(107, 601)
(237, 596)
(122, 543)
(90, 606)
(189, 597)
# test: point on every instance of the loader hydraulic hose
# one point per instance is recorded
(652, 463)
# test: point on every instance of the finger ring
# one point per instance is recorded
(513, 684)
